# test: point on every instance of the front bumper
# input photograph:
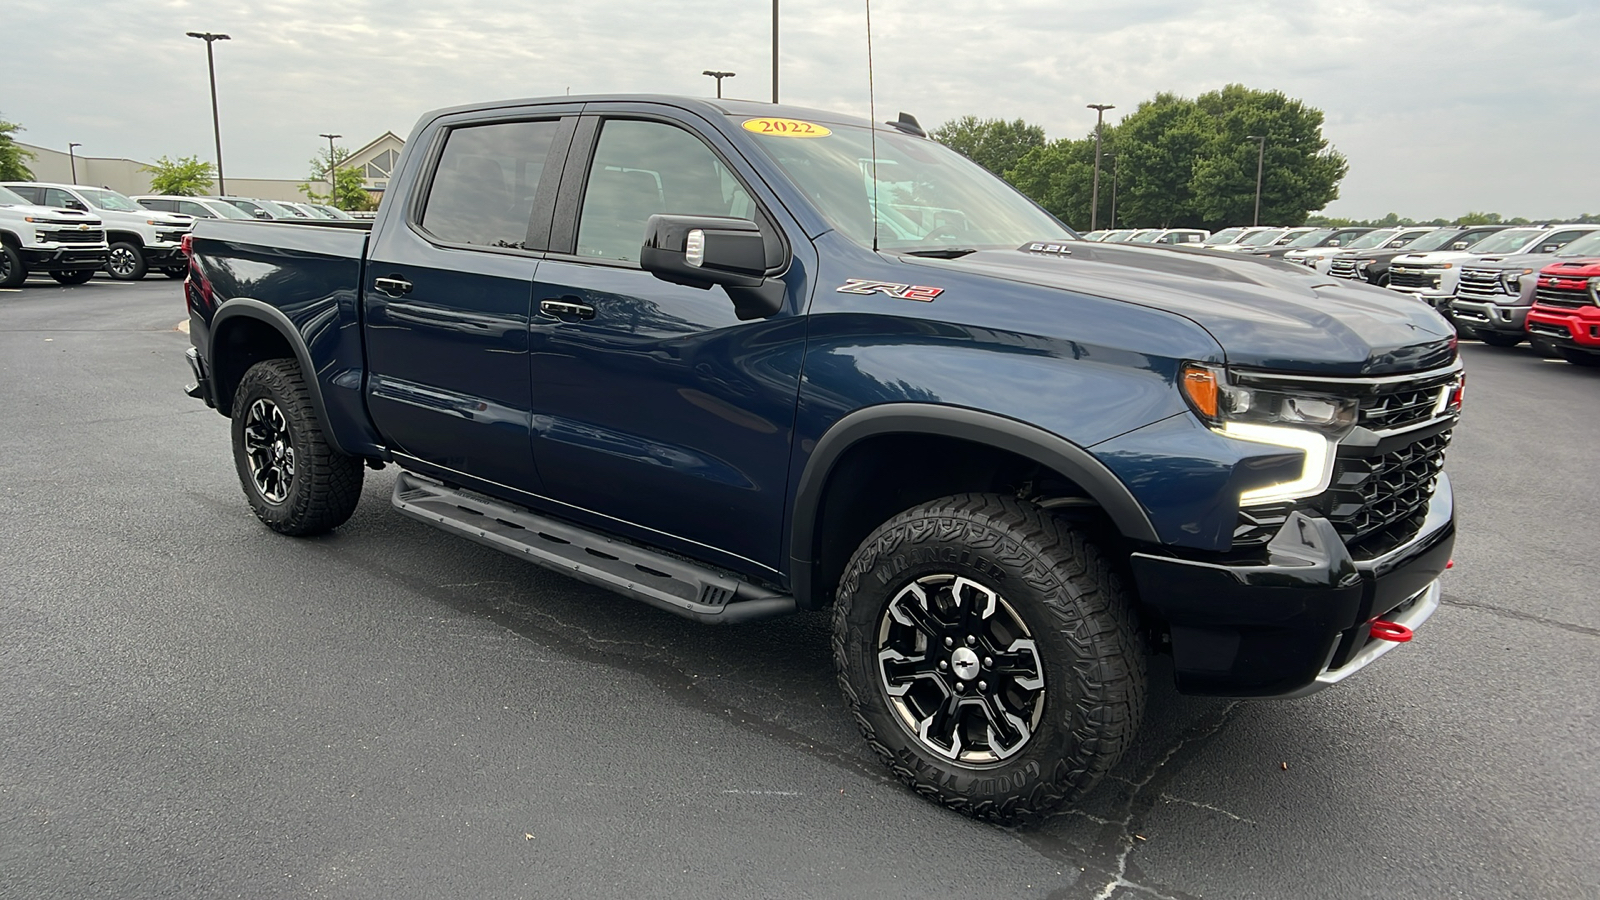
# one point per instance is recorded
(1576, 328)
(162, 256)
(63, 258)
(1484, 316)
(1301, 619)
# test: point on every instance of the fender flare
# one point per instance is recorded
(1028, 441)
(274, 318)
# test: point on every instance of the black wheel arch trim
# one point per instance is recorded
(274, 318)
(1032, 442)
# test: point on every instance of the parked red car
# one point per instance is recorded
(1566, 310)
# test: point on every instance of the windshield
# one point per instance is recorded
(1433, 241)
(1588, 245)
(333, 212)
(1226, 236)
(928, 196)
(110, 200)
(1261, 238)
(8, 198)
(1506, 241)
(278, 210)
(1118, 236)
(1311, 238)
(227, 210)
(1371, 239)
(1149, 237)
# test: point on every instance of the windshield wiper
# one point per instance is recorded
(942, 252)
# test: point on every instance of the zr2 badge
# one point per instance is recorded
(918, 292)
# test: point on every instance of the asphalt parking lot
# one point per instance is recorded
(193, 706)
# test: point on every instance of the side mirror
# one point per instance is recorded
(1460, 245)
(1549, 248)
(74, 203)
(1333, 243)
(261, 214)
(701, 251)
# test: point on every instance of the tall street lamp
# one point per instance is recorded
(774, 51)
(719, 76)
(333, 166)
(1094, 197)
(1261, 158)
(73, 158)
(216, 127)
(1116, 163)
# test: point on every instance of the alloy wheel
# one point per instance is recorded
(122, 262)
(270, 450)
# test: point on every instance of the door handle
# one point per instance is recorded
(393, 286)
(566, 308)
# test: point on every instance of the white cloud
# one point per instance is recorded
(1441, 106)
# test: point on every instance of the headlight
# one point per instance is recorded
(1513, 280)
(1363, 263)
(1309, 422)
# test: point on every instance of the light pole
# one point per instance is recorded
(719, 76)
(1116, 163)
(216, 127)
(333, 166)
(73, 158)
(774, 51)
(1261, 158)
(1094, 196)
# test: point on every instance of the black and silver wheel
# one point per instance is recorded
(1499, 338)
(126, 262)
(73, 276)
(295, 481)
(12, 271)
(987, 652)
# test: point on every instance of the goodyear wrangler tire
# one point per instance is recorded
(297, 484)
(987, 652)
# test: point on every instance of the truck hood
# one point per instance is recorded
(1434, 258)
(74, 216)
(1533, 262)
(1582, 267)
(1264, 314)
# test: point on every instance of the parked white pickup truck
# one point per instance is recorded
(68, 244)
(139, 239)
(1432, 277)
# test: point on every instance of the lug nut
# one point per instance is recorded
(988, 662)
(971, 640)
(983, 685)
(949, 642)
(960, 687)
(943, 665)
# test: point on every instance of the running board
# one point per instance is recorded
(675, 585)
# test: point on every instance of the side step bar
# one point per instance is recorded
(675, 585)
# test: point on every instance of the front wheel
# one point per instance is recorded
(294, 479)
(987, 652)
(74, 276)
(1579, 357)
(12, 271)
(126, 262)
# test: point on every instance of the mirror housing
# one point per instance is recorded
(702, 251)
(1460, 245)
(1334, 243)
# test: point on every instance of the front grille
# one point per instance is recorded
(1375, 500)
(1344, 268)
(76, 237)
(1480, 284)
(1413, 278)
(1567, 299)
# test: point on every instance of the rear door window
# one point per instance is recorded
(484, 187)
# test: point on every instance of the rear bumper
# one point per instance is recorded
(201, 389)
(63, 258)
(1576, 328)
(1299, 621)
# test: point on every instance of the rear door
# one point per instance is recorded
(656, 411)
(448, 295)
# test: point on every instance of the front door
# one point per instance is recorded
(448, 295)
(654, 406)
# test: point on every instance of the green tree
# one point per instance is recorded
(1158, 147)
(995, 144)
(1059, 176)
(349, 185)
(185, 176)
(13, 159)
(1300, 173)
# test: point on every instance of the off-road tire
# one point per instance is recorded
(12, 270)
(1579, 357)
(1499, 338)
(1054, 578)
(73, 276)
(126, 262)
(325, 485)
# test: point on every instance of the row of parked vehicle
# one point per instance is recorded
(1500, 284)
(72, 231)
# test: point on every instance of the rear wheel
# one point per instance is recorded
(74, 276)
(126, 262)
(1579, 357)
(12, 272)
(296, 482)
(1499, 338)
(987, 652)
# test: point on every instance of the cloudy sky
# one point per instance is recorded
(1442, 106)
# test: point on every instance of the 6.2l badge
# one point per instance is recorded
(919, 292)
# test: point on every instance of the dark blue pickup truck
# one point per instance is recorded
(740, 360)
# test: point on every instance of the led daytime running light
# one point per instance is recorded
(1315, 473)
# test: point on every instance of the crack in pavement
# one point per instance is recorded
(1523, 616)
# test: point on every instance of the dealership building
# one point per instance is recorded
(376, 161)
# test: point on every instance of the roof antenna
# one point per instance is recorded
(872, 125)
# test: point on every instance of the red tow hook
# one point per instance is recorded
(1390, 631)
